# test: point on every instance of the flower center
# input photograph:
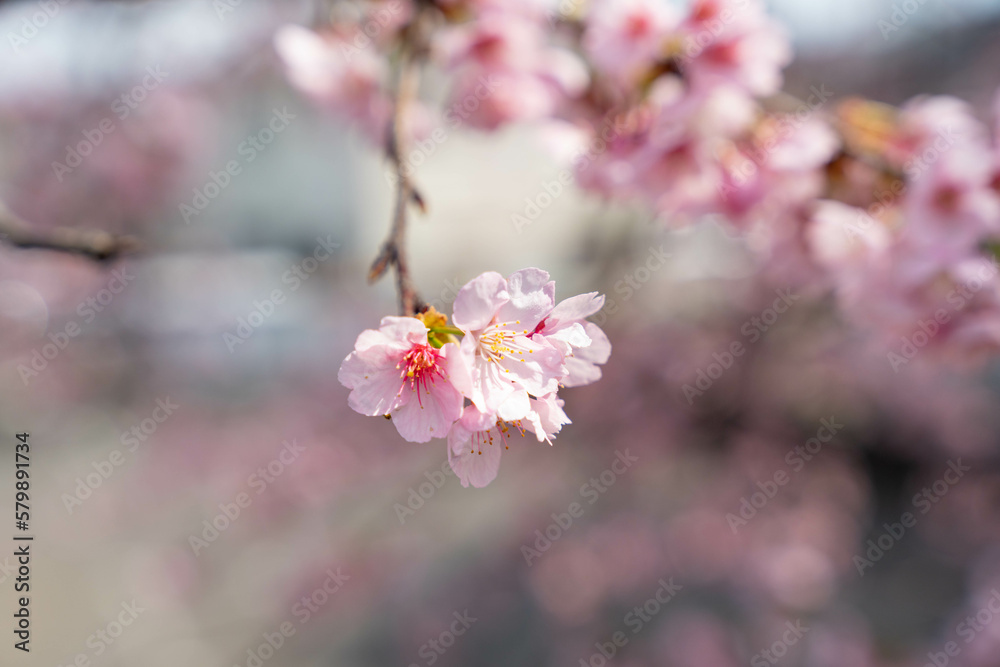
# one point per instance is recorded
(499, 433)
(420, 368)
(638, 25)
(496, 343)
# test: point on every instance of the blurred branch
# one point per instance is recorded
(97, 245)
(393, 252)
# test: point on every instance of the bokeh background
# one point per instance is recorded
(408, 546)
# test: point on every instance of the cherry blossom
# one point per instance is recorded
(546, 417)
(334, 73)
(395, 372)
(679, 110)
(734, 41)
(475, 444)
(478, 438)
(583, 344)
(517, 349)
(499, 317)
(624, 38)
(505, 71)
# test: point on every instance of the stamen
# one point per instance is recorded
(420, 368)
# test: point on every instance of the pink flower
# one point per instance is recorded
(627, 38)
(734, 41)
(331, 70)
(488, 101)
(505, 70)
(498, 318)
(517, 349)
(582, 343)
(930, 126)
(496, 40)
(475, 444)
(546, 417)
(477, 440)
(395, 372)
(951, 206)
(776, 170)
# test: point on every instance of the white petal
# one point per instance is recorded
(471, 466)
(479, 300)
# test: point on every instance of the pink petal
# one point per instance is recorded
(457, 368)
(408, 329)
(575, 308)
(547, 417)
(532, 296)
(599, 350)
(394, 337)
(474, 419)
(580, 372)
(489, 386)
(479, 300)
(581, 367)
(540, 371)
(430, 417)
(572, 334)
(517, 406)
(374, 388)
(471, 466)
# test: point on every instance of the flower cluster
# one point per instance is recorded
(494, 373)
(676, 117)
(336, 74)
(918, 258)
(506, 68)
(895, 211)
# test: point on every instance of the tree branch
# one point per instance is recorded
(393, 252)
(96, 245)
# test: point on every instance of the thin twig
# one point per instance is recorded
(92, 244)
(393, 252)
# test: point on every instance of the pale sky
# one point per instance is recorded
(827, 23)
